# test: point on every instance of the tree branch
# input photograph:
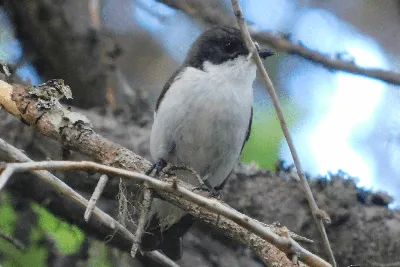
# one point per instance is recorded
(75, 132)
(95, 196)
(266, 195)
(316, 212)
(143, 217)
(98, 215)
(181, 195)
(207, 13)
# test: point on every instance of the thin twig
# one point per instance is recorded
(285, 244)
(95, 196)
(18, 244)
(68, 192)
(329, 62)
(144, 214)
(209, 14)
(271, 90)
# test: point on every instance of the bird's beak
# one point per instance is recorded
(264, 53)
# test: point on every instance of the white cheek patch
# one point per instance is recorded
(240, 68)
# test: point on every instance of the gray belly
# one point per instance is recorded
(206, 138)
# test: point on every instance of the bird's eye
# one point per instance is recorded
(229, 47)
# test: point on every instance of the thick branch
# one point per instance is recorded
(209, 14)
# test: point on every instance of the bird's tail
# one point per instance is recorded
(167, 238)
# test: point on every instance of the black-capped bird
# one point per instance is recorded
(202, 120)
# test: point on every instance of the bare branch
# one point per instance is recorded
(209, 14)
(144, 213)
(271, 90)
(71, 129)
(68, 192)
(330, 62)
(179, 193)
(95, 196)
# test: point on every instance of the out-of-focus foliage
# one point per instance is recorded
(8, 216)
(266, 134)
(68, 237)
(34, 255)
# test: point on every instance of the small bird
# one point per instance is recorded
(202, 120)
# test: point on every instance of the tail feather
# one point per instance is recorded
(173, 248)
(169, 240)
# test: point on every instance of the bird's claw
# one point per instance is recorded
(209, 189)
(158, 166)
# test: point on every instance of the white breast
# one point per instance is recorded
(203, 119)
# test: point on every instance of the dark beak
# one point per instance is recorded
(264, 53)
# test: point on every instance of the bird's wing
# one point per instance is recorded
(174, 76)
(168, 240)
(248, 130)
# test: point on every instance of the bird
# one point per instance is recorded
(202, 120)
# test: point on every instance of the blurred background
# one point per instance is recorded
(339, 121)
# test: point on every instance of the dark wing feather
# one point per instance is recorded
(169, 240)
(248, 130)
(174, 76)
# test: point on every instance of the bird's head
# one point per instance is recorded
(219, 45)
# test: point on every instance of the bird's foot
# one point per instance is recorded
(172, 168)
(206, 186)
(158, 166)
